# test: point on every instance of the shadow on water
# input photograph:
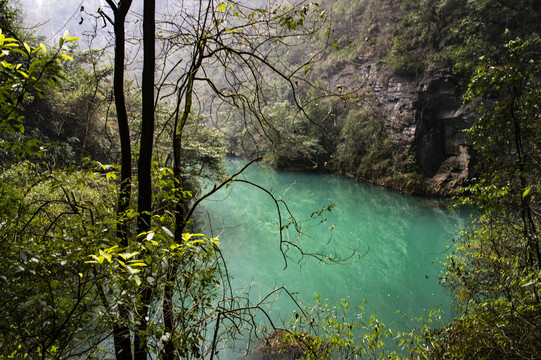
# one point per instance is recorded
(402, 239)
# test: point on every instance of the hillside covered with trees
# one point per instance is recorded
(106, 154)
(392, 112)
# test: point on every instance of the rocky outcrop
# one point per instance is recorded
(429, 116)
(425, 115)
(442, 150)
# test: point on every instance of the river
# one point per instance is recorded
(400, 241)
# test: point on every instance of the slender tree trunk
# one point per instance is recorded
(147, 127)
(144, 201)
(180, 211)
(180, 208)
(121, 333)
(122, 119)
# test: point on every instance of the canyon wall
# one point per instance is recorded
(423, 114)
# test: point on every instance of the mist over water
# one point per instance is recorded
(401, 240)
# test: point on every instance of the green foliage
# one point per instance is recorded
(72, 120)
(367, 152)
(442, 33)
(365, 29)
(292, 141)
(495, 270)
(50, 224)
(25, 72)
(67, 275)
(10, 17)
(130, 271)
(478, 28)
(415, 34)
(322, 331)
(507, 97)
(498, 294)
(294, 17)
(204, 150)
(365, 149)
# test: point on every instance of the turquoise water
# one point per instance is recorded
(400, 240)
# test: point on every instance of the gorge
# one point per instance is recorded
(101, 176)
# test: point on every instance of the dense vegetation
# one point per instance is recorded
(100, 180)
(496, 269)
(98, 261)
(373, 41)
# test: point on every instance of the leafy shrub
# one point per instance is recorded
(495, 271)
(49, 226)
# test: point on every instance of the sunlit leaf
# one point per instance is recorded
(138, 263)
(127, 256)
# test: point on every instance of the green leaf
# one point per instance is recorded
(98, 259)
(110, 175)
(138, 263)
(19, 51)
(127, 256)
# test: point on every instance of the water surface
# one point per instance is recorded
(401, 240)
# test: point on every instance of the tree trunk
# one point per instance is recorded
(121, 333)
(144, 200)
(180, 208)
(147, 126)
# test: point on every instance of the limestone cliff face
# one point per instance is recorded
(425, 115)
(442, 149)
(428, 115)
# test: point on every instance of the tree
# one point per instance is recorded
(25, 72)
(70, 122)
(223, 46)
(50, 225)
(495, 271)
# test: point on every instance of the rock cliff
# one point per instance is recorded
(428, 115)
(425, 115)
(443, 152)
